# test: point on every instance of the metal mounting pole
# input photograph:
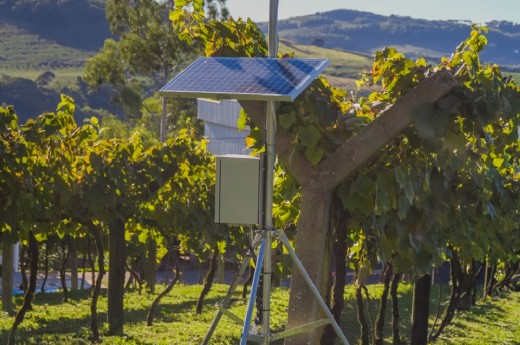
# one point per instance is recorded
(162, 125)
(273, 29)
(270, 155)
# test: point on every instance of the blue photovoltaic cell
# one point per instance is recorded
(245, 78)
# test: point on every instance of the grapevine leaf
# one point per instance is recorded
(288, 119)
(314, 154)
(403, 207)
(309, 136)
(400, 176)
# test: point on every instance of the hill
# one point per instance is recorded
(37, 36)
(344, 68)
(367, 32)
(78, 24)
(42, 36)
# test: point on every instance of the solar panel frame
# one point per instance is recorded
(267, 79)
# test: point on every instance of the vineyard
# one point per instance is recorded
(422, 172)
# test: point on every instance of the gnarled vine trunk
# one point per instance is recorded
(7, 275)
(94, 327)
(134, 276)
(92, 266)
(380, 320)
(46, 267)
(73, 260)
(396, 337)
(155, 304)
(208, 281)
(116, 276)
(23, 267)
(29, 293)
(451, 308)
(365, 331)
(65, 249)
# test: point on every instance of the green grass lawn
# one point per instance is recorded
(496, 321)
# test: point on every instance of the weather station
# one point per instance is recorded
(244, 186)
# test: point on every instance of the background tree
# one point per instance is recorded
(146, 54)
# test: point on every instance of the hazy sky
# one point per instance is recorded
(478, 11)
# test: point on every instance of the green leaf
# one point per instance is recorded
(309, 136)
(428, 122)
(403, 207)
(454, 142)
(409, 191)
(364, 186)
(382, 201)
(386, 198)
(314, 154)
(66, 104)
(423, 262)
(287, 120)
(400, 176)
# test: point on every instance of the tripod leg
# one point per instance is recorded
(252, 296)
(283, 238)
(234, 284)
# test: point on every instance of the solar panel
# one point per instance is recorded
(245, 78)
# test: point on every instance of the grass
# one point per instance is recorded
(65, 77)
(342, 64)
(51, 322)
(344, 69)
(496, 322)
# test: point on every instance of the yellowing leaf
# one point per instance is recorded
(250, 141)
(497, 162)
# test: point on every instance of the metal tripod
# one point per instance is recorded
(266, 337)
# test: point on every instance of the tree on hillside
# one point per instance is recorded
(146, 49)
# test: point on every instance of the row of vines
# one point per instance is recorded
(63, 185)
(443, 190)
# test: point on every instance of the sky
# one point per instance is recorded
(477, 11)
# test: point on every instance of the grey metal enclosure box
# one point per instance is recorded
(237, 189)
